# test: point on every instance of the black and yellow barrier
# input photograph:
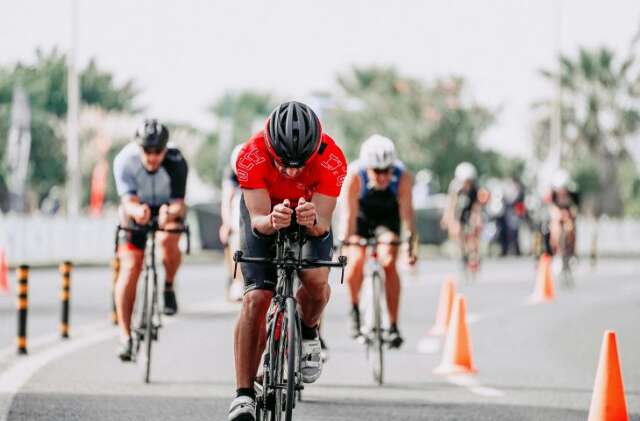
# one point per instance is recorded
(65, 296)
(115, 266)
(22, 304)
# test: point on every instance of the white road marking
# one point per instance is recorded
(23, 368)
(472, 384)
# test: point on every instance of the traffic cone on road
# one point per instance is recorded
(607, 401)
(445, 303)
(4, 273)
(544, 281)
(456, 357)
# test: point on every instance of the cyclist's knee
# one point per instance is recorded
(168, 242)
(131, 261)
(256, 303)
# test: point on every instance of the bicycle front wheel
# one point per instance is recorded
(151, 307)
(292, 345)
(375, 349)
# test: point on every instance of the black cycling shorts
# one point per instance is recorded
(253, 244)
(366, 228)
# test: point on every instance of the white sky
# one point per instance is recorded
(185, 54)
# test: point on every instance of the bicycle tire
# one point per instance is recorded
(279, 366)
(148, 332)
(375, 348)
(292, 348)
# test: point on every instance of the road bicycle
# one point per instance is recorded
(146, 313)
(372, 333)
(282, 378)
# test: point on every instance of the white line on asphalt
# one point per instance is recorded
(472, 384)
(20, 371)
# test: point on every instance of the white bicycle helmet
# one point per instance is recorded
(465, 171)
(377, 152)
(561, 180)
(234, 157)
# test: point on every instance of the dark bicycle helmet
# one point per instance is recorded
(152, 135)
(292, 134)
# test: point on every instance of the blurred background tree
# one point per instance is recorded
(45, 82)
(599, 114)
(240, 112)
(434, 125)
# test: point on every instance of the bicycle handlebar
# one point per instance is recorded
(289, 262)
(364, 242)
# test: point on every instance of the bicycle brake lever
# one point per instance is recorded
(236, 256)
(343, 261)
(188, 232)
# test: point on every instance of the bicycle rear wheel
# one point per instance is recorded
(375, 344)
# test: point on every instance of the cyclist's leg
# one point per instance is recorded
(259, 286)
(353, 272)
(171, 255)
(131, 260)
(250, 335)
(388, 256)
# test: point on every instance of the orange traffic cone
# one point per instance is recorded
(544, 282)
(445, 303)
(607, 401)
(4, 273)
(456, 357)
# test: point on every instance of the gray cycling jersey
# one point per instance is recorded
(154, 189)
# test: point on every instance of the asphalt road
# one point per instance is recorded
(535, 362)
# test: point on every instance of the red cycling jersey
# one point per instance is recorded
(323, 174)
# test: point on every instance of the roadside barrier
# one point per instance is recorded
(22, 304)
(456, 356)
(65, 296)
(608, 402)
(544, 291)
(445, 304)
(115, 266)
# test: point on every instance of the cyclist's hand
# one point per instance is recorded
(143, 214)
(281, 215)
(413, 258)
(306, 213)
(163, 215)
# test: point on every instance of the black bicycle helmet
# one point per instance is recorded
(292, 134)
(152, 135)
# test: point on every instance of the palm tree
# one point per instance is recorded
(598, 117)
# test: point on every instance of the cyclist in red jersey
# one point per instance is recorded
(289, 171)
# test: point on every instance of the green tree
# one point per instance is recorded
(45, 82)
(434, 125)
(599, 114)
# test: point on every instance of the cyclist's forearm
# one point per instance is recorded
(262, 224)
(320, 228)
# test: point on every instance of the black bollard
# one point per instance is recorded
(23, 304)
(65, 296)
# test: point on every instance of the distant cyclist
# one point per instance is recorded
(289, 170)
(462, 217)
(230, 224)
(151, 180)
(378, 198)
(563, 210)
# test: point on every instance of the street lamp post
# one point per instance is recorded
(73, 100)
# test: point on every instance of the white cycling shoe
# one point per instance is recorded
(311, 364)
(243, 408)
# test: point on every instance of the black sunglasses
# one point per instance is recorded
(382, 170)
(152, 150)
